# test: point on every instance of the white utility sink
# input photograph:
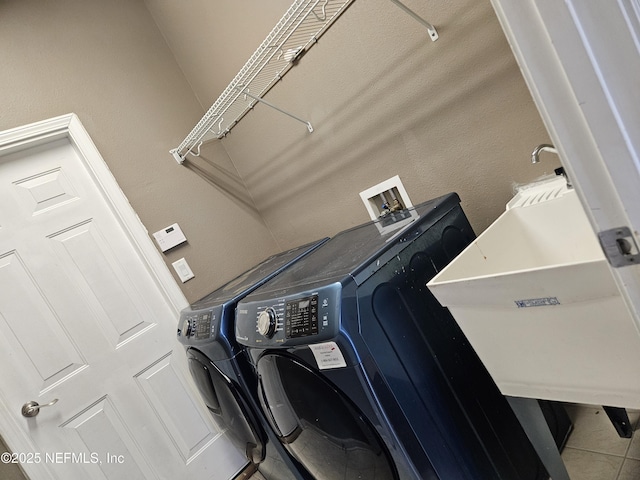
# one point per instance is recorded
(536, 298)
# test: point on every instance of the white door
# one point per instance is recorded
(83, 319)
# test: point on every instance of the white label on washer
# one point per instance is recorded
(328, 355)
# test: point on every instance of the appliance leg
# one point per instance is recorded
(620, 420)
(530, 415)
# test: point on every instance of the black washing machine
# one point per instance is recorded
(223, 373)
(362, 374)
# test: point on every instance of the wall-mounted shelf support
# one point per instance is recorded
(433, 34)
(262, 100)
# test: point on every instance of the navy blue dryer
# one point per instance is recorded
(362, 374)
(223, 374)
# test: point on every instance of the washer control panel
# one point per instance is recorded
(197, 325)
(296, 319)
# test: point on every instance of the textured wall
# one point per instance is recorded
(451, 115)
(454, 115)
(212, 40)
(106, 61)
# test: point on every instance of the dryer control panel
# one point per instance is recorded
(301, 317)
(296, 319)
(197, 326)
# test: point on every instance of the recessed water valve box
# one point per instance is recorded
(386, 197)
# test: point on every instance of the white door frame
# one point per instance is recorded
(69, 126)
(581, 62)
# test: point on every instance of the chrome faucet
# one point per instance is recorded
(535, 155)
(545, 147)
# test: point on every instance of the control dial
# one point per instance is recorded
(186, 328)
(267, 322)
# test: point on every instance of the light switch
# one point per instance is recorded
(182, 269)
(169, 237)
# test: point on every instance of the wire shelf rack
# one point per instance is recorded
(296, 32)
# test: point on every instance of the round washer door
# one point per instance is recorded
(228, 406)
(319, 426)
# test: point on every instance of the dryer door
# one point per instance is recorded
(227, 403)
(320, 426)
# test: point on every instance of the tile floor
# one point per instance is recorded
(594, 450)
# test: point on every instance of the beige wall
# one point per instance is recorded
(454, 115)
(212, 40)
(106, 61)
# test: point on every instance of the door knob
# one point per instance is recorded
(31, 409)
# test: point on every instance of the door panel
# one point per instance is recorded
(99, 428)
(176, 410)
(39, 337)
(45, 190)
(83, 320)
(106, 287)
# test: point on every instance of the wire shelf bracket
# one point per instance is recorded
(433, 33)
(261, 100)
